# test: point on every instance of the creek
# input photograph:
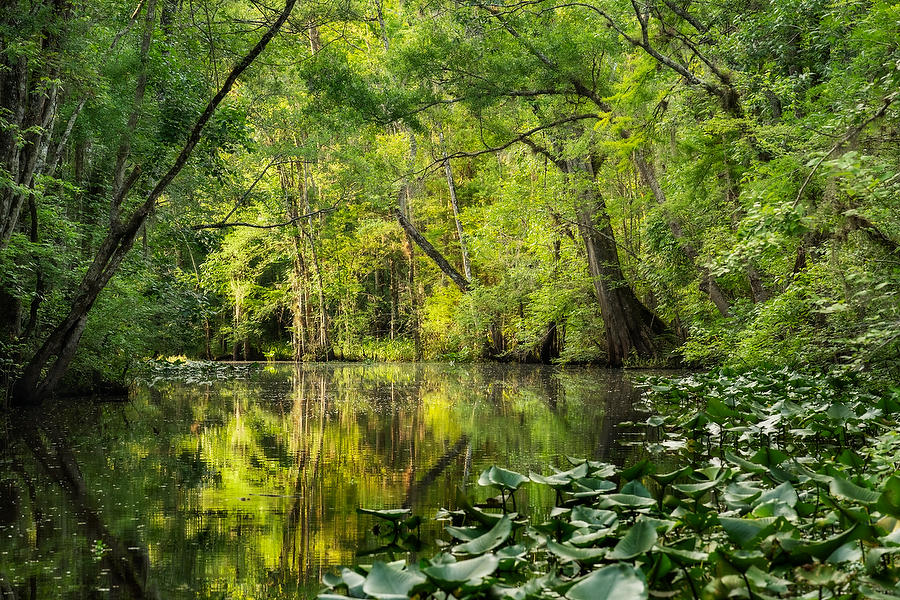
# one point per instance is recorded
(244, 481)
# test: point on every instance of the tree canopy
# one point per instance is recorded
(641, 182)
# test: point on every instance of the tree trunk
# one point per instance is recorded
(28, 102)
(324, 343)
(631, 328)
(44, 370)
(467, 268)
(443, 264)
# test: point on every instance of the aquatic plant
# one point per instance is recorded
(756, 485)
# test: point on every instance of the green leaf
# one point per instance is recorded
(636, 488)
(619, 582)
(843, 488)
(389, 514)
(745, 465)
(849, 552)
(889, 500)
(471, 571)
(592, 486)
(639, 539)
(746, 532)
(490, 540)
(389, 583)
(354, 582)
(871, 593)
(626, 500)
(636, 470)
(667, 478)
(501, 478)
(783, 493)
(766, 581)
(466, 534)
(568, 553)
(695, 490)
(684, 556)
(592, 516)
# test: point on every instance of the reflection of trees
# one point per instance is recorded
(127, 564)
(415, 489)
(249, 487)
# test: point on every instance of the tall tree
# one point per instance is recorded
(44, 369)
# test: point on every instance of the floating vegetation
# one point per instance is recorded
(195, 372)
(758, 485)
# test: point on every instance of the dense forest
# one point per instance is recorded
(629, 183)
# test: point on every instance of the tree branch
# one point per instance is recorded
(224, 225)
(886, 102)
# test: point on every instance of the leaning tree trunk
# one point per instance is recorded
(631, 328)
(44, 370)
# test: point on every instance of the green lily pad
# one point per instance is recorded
(636, 470)
(761, 580)
(783, 493)
(470, 572)
(695, 490)
(592, 516)
(849, 552)
(569, 553)
(627, 500)
(619, 581)
(636, 488)
(354, 582)
(745, 465)
(465, 534)
(591, 486)
(746, 532)
(389, 514)
(391, 583)
(490, 540)
(684, 556)
(872, 593)
(667, 478)
(843, 488)
(889, 500)
(501, 478)
(639, 539)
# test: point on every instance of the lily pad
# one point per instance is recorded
(847, 489)
(568, 553)
(619, 581)
(470, 572)
(889, 500)
(639, 539)
(501, 478)
(391, 583)
(389, 514)
(490, 540)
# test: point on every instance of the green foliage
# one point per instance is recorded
(782, 489)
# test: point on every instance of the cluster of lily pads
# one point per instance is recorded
(195, 372)
(765, 485)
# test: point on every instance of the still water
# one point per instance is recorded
(244, 483)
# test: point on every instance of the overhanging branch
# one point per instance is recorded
(224, 225)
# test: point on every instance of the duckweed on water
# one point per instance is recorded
(761, 485)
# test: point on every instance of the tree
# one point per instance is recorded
(44, 369)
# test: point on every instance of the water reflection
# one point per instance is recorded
(249, 487)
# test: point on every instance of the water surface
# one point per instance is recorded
(245, 484)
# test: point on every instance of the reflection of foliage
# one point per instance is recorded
(246, 481)
(785, 486)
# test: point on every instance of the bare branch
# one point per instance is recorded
(290, 221)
